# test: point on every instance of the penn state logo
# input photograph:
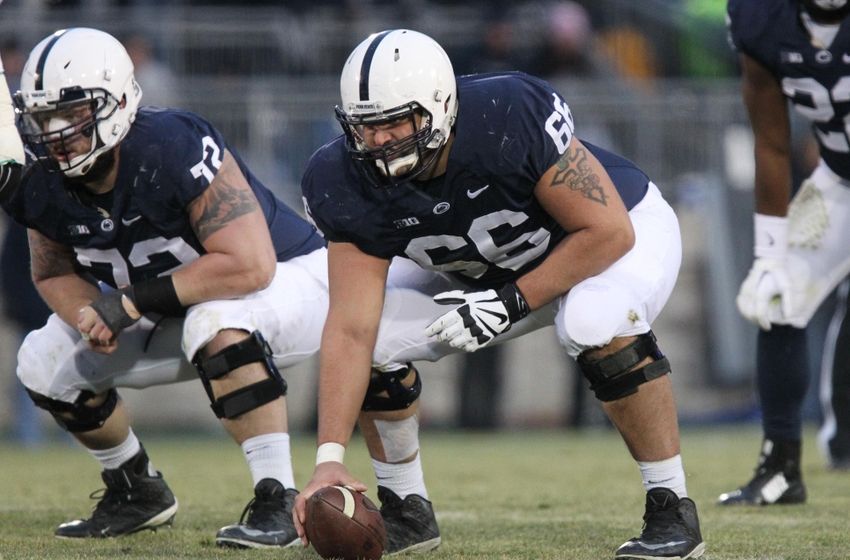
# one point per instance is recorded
(107, 225)
(823, 56)
(442, 208)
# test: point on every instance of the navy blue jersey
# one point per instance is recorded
(816, 80)
(168, 158)
(480, 219)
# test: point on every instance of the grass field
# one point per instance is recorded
(524, 495)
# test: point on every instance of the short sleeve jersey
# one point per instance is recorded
(168, 158)
(480, 219)
(815, 79)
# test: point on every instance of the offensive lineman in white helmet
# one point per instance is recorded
(515, 224)
(163, 259)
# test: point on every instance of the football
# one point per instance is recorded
(342, 523)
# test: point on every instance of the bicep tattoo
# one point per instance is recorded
(221, 204)
(574, 171)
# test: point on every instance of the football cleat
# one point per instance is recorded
(135, 498)
(777, 478)
(266, 521)
(670, 530)
(410, 523)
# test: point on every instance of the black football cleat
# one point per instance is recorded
(777, 478)
(134, 499)
(670, 530)
(266, 521)
(410, 523)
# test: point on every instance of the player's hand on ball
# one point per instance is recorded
(479, 316)
(344, 524)
(330, 473)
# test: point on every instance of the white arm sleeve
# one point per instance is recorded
(11, 147)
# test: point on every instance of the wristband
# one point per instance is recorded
(514, 302)
(771, 236)
(157, 295)
(330, 451)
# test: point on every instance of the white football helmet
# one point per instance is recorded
(76, 82)
(395, 75)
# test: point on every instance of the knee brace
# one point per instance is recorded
(252, 349)
(77, 417)
(611, 377)
(386, 391)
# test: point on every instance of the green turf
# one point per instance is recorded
(524, 495)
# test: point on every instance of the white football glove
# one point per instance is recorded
(768, 294)
(479, 317)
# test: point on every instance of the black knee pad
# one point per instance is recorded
(252, 349)
(398, 397)
(611, 377)
(82, 418)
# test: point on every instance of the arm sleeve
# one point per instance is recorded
(11, 147)
(10, 180)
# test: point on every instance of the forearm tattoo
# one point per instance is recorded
(49, 259)
(574, 171)
(221, 204)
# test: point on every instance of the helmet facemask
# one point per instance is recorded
(399, 161)
(55, 131)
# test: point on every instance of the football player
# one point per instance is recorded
(794, 51)
(514, 224)
(163, 259)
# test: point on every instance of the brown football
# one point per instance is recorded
(342, 523)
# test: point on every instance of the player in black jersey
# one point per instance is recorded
(163, 258)
(509, 223)
(799, 52)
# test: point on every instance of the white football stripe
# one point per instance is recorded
(348, 508)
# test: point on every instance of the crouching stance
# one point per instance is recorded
(163, 259)
(509, 223)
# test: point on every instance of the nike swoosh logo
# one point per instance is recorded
(770, 240)
(662, 545)
(127, 222)
(473, 194)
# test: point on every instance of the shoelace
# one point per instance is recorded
(108, 502)
(657, 523)
(259, 511)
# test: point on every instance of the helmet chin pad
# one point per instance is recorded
(398, 166)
